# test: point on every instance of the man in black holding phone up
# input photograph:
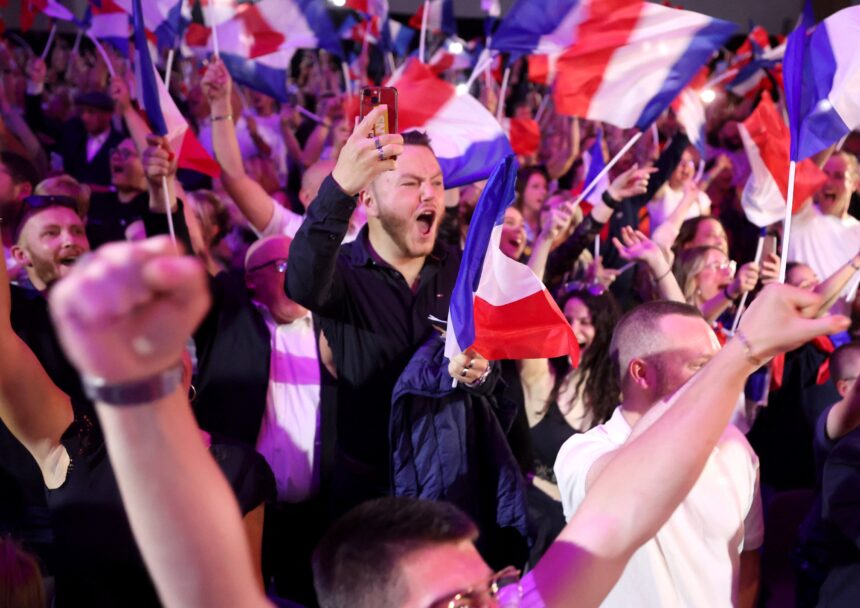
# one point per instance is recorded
(374, 296)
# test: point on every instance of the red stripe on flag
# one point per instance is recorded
(499, 331)
(580, 69)
(265, 40)
(194, 156)
(772, 137)
(421, 94)
(524, 134)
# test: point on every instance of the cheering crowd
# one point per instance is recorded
(222, 382)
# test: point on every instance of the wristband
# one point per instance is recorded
(748, 351)
(664, 275)
(136, 392)
(610, 202)
(221, 117)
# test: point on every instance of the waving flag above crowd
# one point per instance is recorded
(258, 42)
(49, 8)
(467, 139)
(499, 307)
(440, 18)
(821, 69)
(766, 142)
(109, 22)
(620, 61)
(161, 17)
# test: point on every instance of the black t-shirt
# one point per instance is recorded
(108, 218)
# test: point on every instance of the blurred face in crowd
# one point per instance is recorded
(710, 233)
(340, 132)
(513, 241)
(198, 105)
(730, 136)
(716, 273)
(835, 195)
(690, 344)
(95, 121)
(469, 196)
(534, 193)
(11, 193)
(801, 275)
(126, 168)
(265, 273)
(51, 241)
(407, 204)
(523, 111)
(579, 317)
(684, 172)
(262, 104)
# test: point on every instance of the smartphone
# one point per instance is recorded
(769, 246)
(376, 96)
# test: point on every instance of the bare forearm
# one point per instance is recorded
(174, 509)
(314, 145)
(137, 127)
(714, 307)
(830, 288)
(539, 256)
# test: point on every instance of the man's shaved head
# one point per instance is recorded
(639, 334)
(845, 362)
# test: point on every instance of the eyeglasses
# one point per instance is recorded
(729, 265)
(502, 589)
(280, 266)
(37, 202)
(595, 289)
(123, 153)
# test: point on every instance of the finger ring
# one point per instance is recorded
(380, 153)
(464, 372)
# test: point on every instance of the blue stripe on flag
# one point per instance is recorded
(316, 14)
(476, 162)
(707, 40)
(596, 162)
(149, 88)
(498, 194)
(527, 21)
(817, 124)
(260, 77)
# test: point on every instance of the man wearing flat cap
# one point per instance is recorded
(83, 142)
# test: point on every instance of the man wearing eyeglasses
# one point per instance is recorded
(116, 214)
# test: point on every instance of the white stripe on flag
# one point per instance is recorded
(762, 202)
(504, 280)
(843, 33)
(637, 70)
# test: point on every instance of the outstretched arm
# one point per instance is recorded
(643, 482)
(31, 405)
(249, 196)
(142, 293)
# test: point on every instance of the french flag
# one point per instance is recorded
(468, 140)
(49, 8)
(108, 21)
(820, 69)
(161, 111)
(766, 141)
(524, 134)
(690, 109)
(258, 43)
(440, 18)
(400, 37)
(499, 308)
(161, 17)
(621, 61)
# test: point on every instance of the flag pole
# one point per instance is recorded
(596, 247)
(786, 229)
(544, 103)
(482, 65)
(422, 40)
(169, 213)
(758, 251)
(74, 52)
(587, 190)
(103, 54)
(216, 49)
(168, 68)
(50, 41)
(389, 57)
(347, 81)
(500, 106)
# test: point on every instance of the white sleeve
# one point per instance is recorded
(283, 222)
(754, 521)
(575, 459)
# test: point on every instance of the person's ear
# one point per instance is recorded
(638, 372)
(250, 283)
(25, 189)
(20, 255)
(368, 200)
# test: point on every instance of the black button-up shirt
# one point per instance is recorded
(374, 321)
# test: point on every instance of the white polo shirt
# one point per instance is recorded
(694, 559)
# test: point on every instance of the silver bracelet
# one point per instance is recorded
(136, 392)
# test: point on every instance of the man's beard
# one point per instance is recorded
(398, 230)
